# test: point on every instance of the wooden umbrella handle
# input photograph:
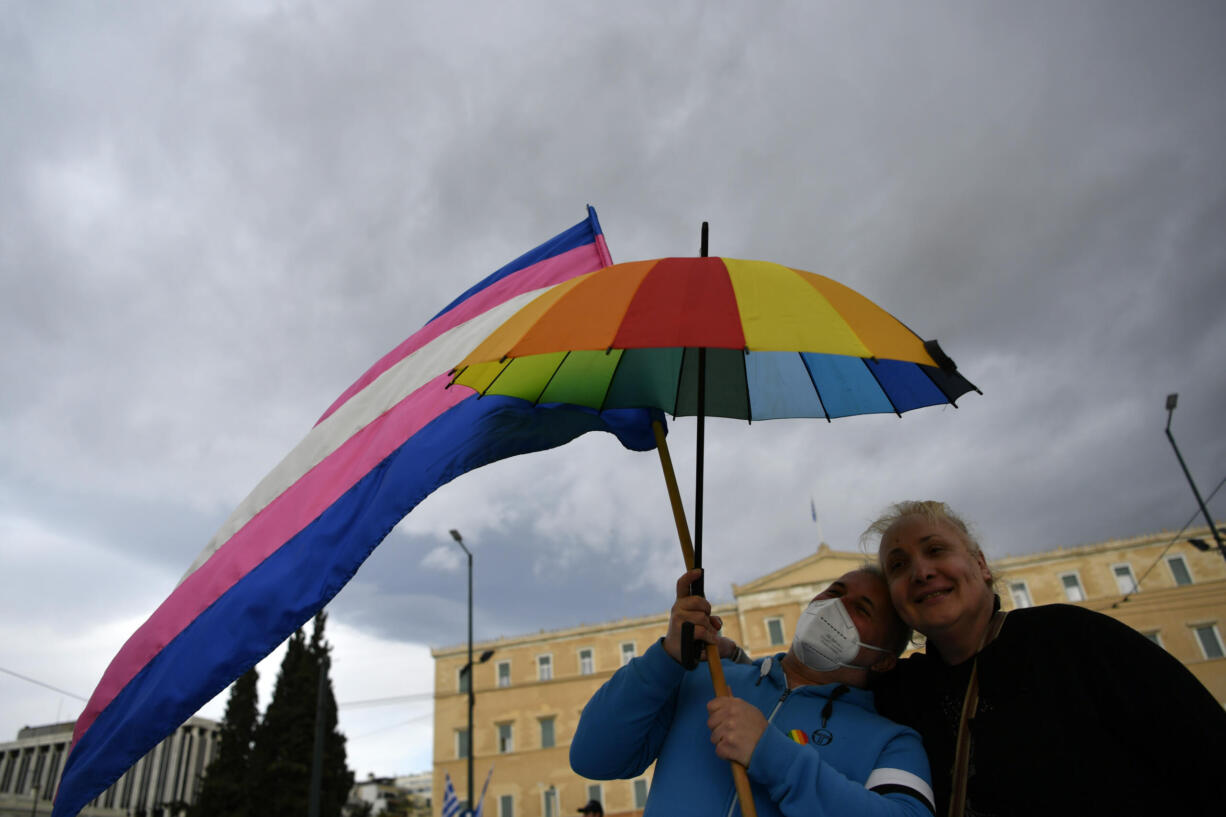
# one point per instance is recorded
(740, 777)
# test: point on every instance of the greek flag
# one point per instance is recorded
(451, 803)
(481, 802)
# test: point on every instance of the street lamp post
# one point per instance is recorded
(467, 671)
(1171, 400)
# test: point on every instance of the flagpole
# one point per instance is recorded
(455, 534)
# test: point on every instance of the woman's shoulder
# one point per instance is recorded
(1068, 618)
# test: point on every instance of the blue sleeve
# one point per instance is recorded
(802, 783)
(625, 723)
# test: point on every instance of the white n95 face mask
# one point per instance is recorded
(826, 637)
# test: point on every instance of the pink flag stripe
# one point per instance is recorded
(538, 276)
(277, 523)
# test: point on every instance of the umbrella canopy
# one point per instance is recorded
(779, 342)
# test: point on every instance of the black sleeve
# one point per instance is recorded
(1151, 706)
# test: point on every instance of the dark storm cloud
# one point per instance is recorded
(214, 218)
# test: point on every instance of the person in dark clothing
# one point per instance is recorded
(1068, 711)
(593, 807)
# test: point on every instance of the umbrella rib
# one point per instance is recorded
(933, 381)
(748, 396)
(552, 375)
(677, 392)
(604, 398)
(494, 380)
(816, 390)
(865, 361)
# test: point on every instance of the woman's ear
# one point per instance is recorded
(984, 570)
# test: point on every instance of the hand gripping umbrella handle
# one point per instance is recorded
(739, 776)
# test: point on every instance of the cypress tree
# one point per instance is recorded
(337, 779)
(285, 741)
(227, 783)
(281, 759)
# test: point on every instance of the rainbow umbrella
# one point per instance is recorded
(777, 342)
(711, 336)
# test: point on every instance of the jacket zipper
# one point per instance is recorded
(732, 804)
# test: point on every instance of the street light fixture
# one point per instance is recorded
(1171, 401)
(467, 670)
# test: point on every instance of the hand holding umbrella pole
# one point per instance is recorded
(740, 777)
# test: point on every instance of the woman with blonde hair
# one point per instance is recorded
(1052, 709)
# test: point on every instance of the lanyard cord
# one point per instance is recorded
(828, 709)
(970, 703)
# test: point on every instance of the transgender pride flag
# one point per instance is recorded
(385, 444)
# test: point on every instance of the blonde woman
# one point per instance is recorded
(1053, 709)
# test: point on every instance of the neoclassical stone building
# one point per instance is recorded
(31, 766)
(531, 691)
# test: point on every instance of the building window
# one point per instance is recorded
(594, 792)
(1179, 570)
(640, 793)
(461, 743)
(547, 737)
(587, 664)
(774, 631)
(1210, 641)
(551, 802)
(506, 806)
(1154, 636)
(627, 652)
(1072, 587)
(1020, 595)
(1124, 579)
(462, 676)
(544, 667)
(506, 739)
(504, 673)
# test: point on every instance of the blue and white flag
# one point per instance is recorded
(481, 801)
(451, 803)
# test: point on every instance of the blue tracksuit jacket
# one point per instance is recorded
(858, 763)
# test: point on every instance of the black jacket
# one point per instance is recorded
(1078, 714)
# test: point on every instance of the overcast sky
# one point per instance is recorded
(214, 216)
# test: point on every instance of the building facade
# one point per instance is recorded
(530, 693)
(157, 785)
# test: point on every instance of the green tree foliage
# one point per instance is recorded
(285, 740)
(226, 787)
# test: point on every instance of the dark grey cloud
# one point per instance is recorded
(214, 218)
